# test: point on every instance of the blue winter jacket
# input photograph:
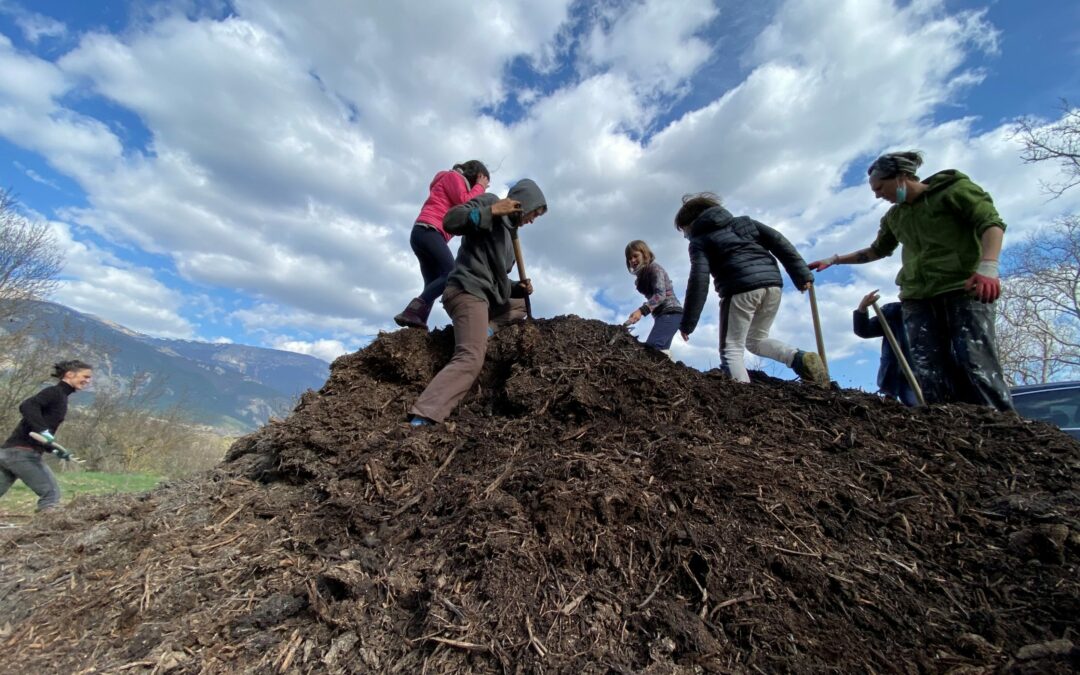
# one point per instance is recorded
(890, 379)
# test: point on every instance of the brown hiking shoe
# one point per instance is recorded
(415, 315)
(808, 366)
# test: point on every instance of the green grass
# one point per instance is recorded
(21, 501)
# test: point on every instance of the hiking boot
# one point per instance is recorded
(415, 315)
(808, 366)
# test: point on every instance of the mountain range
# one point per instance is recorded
(230, 387)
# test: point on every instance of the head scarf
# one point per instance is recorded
(895, 163)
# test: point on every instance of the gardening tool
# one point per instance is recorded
(625, 324)
(521, 268)
(57, 449)
(817, 331)
(899, 355)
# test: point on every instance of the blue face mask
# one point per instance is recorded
(901, 192)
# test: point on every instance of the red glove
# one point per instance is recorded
(984, 283)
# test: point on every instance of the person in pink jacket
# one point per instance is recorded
(429, 240)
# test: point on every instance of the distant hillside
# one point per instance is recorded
(234, 388)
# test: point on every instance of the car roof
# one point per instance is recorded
(1045, 386)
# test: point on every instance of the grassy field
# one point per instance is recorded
(20, 501)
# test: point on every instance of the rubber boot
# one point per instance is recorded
(415, 315)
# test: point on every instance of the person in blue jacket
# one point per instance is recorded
(890, 378)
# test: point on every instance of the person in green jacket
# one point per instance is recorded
(951, 236)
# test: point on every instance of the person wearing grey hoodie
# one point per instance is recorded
(479, 291)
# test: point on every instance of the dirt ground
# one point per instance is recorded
(591, 507)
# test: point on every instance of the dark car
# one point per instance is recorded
(1055, 402)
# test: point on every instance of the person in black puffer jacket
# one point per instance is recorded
(741, 255)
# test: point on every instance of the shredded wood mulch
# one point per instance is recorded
(590, 508)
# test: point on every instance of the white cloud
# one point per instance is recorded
(34, 26)
(327, 350)
(97, 282)
(627, 41)
(289, 147)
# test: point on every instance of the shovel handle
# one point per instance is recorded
(520, 258)
(56, 446)
(518, 255)
(817, 331)
(887, 330)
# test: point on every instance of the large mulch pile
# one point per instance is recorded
(590, 508)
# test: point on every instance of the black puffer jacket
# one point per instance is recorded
(739, 252)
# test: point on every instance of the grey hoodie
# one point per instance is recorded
(486, 255)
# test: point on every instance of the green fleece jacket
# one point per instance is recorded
(941, 232)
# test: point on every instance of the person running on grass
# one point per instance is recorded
(741, 255)
(21, 456)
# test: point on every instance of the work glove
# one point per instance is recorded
(821, 265)
(984, 283)
(62, 454)
(47, 435)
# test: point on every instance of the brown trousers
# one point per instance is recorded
(471, 316)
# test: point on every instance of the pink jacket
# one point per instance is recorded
(448, 189)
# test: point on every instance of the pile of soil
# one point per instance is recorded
(591, 507)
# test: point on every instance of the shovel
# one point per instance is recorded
(57, 449)
(521, 269)
(624, 324)
(885, 328)
(817, 331)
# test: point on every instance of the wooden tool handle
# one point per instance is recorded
(521, 269)
(887, 330)
(817, 332)
(518, 255)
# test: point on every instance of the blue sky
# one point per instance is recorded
(248, 171)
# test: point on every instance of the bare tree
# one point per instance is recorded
(1038, 326)
(1057, 142)
(29, 259)
(121, 423)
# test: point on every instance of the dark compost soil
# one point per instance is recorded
(591, 507)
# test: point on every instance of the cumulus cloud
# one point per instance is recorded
(286, 150)
(34, 26)
(327, 350)
(97, 282)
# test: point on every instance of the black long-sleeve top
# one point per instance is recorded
(44, 410)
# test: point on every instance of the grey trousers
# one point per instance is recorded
(471, 316)
(30, 467)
